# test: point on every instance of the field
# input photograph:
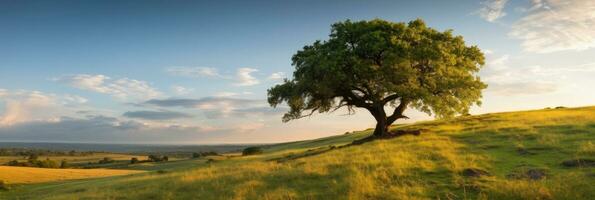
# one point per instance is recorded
(19, 175)
(540, 154)
(94, 157)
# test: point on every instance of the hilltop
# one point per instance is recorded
(539, 154)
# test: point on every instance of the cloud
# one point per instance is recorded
(226, 94)
(492, 10)
(179, 90)
(557, 25)
(526, 88)
(194, 72)
(244, 77)
(99, 128)
(156, 115)
(277, 76)
(123, 88)
(219, 107)
(22, 105)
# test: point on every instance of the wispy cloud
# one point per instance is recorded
(492, 10)
(277, 76)
(556, 25)
(23, 106)
(218, 107)
(156, 115)
(522, 88)
(244, 77)
(123, 88)
(194, 72)
(180, 90)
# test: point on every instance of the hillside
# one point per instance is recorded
(541, 154)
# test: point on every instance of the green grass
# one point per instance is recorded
(428, 166)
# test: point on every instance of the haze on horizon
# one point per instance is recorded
(197, 72)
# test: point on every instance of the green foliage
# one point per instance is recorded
(4, 186)
(47, 163)
(252, 151)
(373, 64)
(156, 158)
(64, 164)
(106, 160)
(134, 160)
(204, 154)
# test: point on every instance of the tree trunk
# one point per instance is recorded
(382, 126)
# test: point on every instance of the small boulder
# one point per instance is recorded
(531, 174)
(581, 162)
(473, 172)
(535, 174)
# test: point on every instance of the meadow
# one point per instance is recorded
(539, 154)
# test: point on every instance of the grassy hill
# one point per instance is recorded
(541, 154)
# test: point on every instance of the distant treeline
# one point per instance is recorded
(25, 152)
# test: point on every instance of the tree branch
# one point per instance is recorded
(398, 113)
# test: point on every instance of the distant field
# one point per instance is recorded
(540, 154)
(20, 175)
(94, 157)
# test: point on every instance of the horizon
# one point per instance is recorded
(196, 73)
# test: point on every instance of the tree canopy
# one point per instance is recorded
(379, 64)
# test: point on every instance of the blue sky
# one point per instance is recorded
(197, 72)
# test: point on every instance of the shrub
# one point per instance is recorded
(204, 154)
(13, 163)
(32, 157)
(252, 151)
(134, 160)
(106, 160)
(155, 158)
(3, 186)
(64, 164)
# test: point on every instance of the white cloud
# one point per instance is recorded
(277, 76)
(244, 77)
(123, 88)
(226, 94)
(23, 106)
(194, 72)
(557, 25)
(179, 90)
(522, 88)
(492, 10)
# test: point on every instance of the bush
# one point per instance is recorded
(204, 154)
(134, 160)
(64, 164)
(106, 160)
(155, 158)
(3, 186)
(252, 151)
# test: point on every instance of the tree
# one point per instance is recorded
(379, 64)
(252, 151)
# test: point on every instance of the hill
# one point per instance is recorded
(540, 154)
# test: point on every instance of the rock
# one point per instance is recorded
(531, 174)
(535, 174)
(473, 172)
(523, 151)
(581, 162)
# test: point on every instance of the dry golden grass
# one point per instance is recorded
(22, 175)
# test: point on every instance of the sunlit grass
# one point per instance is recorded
(428, 166)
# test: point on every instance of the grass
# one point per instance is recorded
(79, 159)
(505, 145)
(20, 175)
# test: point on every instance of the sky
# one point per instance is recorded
(197, 72)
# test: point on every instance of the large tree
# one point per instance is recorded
(379, 65)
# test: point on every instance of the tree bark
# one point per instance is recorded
(381, 129)
(383, 122)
